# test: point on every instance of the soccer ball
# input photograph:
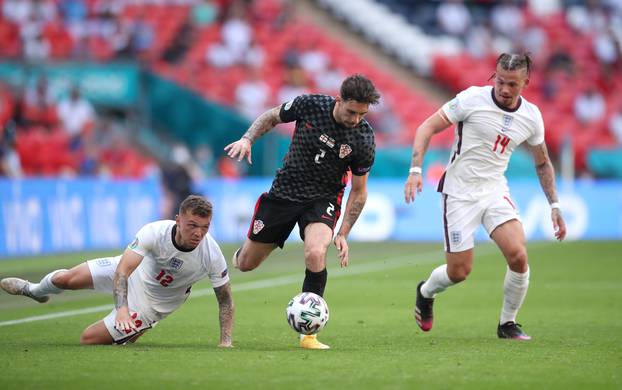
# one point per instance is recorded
(307, 313)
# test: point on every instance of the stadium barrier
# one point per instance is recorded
(41, 216)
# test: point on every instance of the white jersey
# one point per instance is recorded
(166, 273)
(486, 135)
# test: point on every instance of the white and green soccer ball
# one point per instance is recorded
(307, 313)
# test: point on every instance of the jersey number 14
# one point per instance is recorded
(501, 140)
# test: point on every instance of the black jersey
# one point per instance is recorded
(321, 151)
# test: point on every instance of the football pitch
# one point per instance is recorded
(573, 311)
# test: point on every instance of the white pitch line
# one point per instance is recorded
(386, 264)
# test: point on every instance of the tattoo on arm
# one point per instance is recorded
(353, 210)
(119, 290)
(264, 123)
(226, 311)
(546, 174)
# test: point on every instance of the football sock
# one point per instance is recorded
(45, 286)
(315, 282)
(437, 282)
(514, 291)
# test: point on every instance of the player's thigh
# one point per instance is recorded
(510, 238)
(255, 252)
(461, 219)
(141, 323)
(273, 220)
(96, 333)
(317, 240)
(502, 222)
(322, 211)
(76, 278)
(102, 272)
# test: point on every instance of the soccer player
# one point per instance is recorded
(150, 280)
(491, 123)
(331, 137)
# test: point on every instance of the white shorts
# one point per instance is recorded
(102, 272)
(461, 218)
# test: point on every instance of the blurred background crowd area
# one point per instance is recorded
(244, 56)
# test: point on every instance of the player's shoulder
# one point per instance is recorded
(210, 245)
(316, 100)
(476, 91)
(366, 129)
(530, 108)
(159, 226)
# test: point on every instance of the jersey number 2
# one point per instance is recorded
(501, 140)
(164, 278)
(320, 155)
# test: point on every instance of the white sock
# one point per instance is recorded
(514, 291)
(45, 286)
(437, 282)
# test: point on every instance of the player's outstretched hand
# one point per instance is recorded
(123, 322)
(342, 249)
(559, 226)
(240, 149)
(413, 186)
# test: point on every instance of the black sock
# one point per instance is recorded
(315, 282)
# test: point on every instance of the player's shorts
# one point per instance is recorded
(274, 218)
(461, 218)
(102, 272)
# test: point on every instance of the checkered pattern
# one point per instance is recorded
(321, 151)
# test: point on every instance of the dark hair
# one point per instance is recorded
(515, 61)
(359, 88)
(196, 205)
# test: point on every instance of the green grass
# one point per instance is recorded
(573, 311)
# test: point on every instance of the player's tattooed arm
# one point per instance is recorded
(353, 211)
(546, 174)
(354, 207)
(545, 171)
(226, 313)
(264, 123)
(128, 263)
(119, 290)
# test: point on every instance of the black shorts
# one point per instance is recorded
(274, 218)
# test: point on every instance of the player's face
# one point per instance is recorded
(349, 112)
(508, 85)
(191, 229)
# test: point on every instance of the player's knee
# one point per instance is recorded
(458, 274)
(62, 279)
(245, 266)
(245, 263)
(315, 253)
(87, 338)
(517, 260)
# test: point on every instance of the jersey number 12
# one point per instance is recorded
(164, 278)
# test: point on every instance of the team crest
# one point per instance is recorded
(453, 105)
(176, 263)
(344, 150)
(507, 120)
(456, 237)
(257, 226)
(134, 243)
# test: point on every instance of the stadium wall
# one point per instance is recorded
(40, 216)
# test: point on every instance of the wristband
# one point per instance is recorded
(556, 205)
(415, 170)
